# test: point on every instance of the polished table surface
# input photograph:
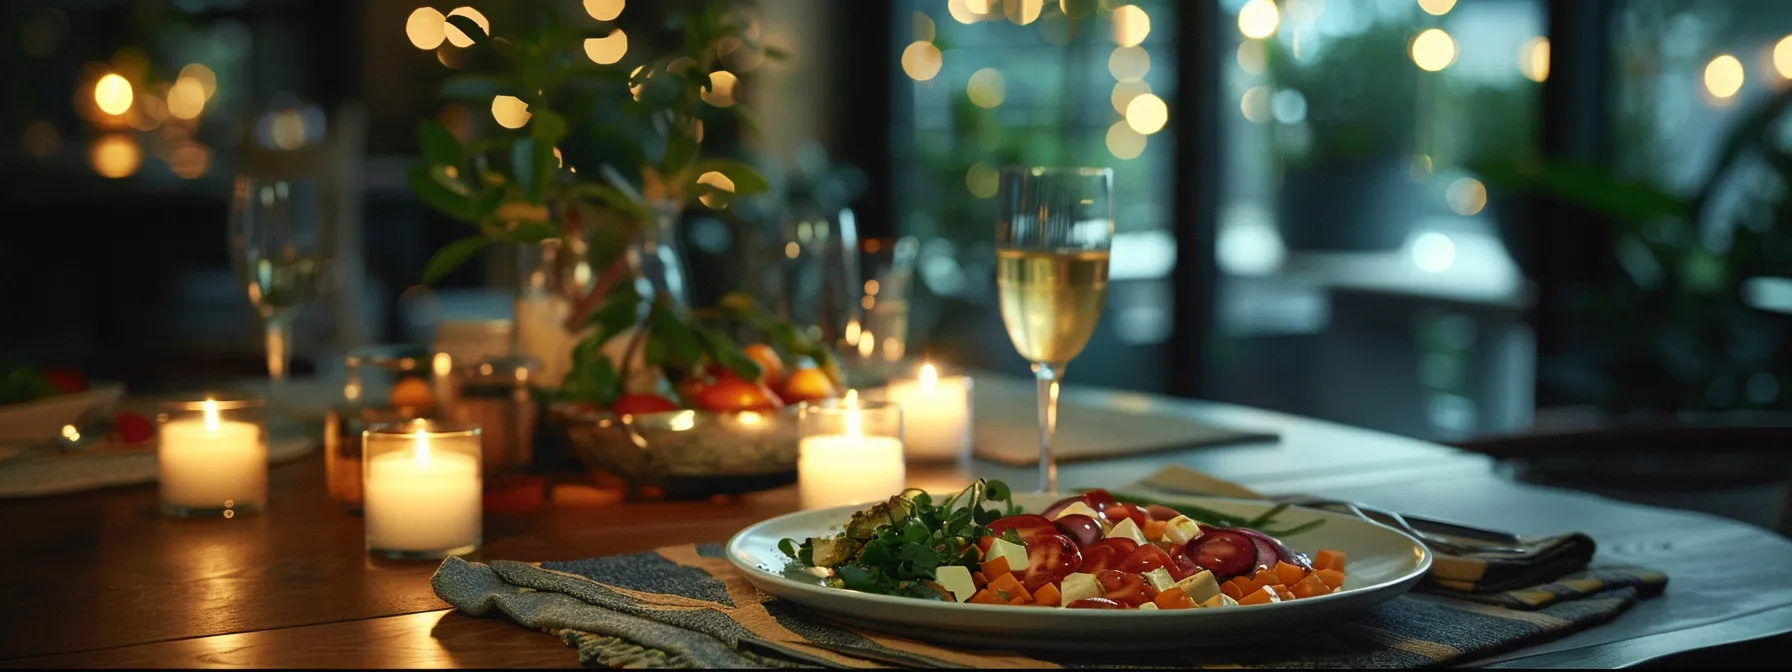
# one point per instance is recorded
(100, 579)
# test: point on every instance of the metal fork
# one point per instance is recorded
(1364, 511)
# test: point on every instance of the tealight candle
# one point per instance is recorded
(850, 452)
(421, 490)
(938, 411)
(212, 464)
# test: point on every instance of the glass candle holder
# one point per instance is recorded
(420, 489)
(939, 410)
(850, 452)
(212, 457)
(385, 384)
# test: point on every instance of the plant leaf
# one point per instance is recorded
(620, 309)
(452, 256)
(529, 231)
(439, 146)
(476, 87)
(428, 185)
(546, 125)
(523, 167)
(612, 197)
(681, 347)
(747, 180)
(723, 351)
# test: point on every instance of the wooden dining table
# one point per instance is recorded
(101, 579)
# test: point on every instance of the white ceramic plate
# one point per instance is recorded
(44, 418)
(1382, 563)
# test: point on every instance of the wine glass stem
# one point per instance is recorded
(279, 352)
(1047, 375)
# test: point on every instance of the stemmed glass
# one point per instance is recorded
(280, 247)
(1053, 231)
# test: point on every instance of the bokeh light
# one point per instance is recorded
(1131, 25)
(1124, 92)
(924, 28)
(510, 111)
(981, 179)
(1437, 7)
(1123, 142)
(116, 155)
(113, 94)
(608, 49)
(987, 88)
(1466, 196)
(1782, 57)
(604, 10)
(1255, 104)
(189, 160)
(1433, 50)
(722, 88)
(1724, 76)
(1147, 114)
(1129, 63)
(208, 81)
(719, 181)
(1250, 57)
(961, 12)
(1533, 59)
(426, 28)
(1022, 12)
(460, 39)
(186, 99)
(921, 61)
(1258, 19)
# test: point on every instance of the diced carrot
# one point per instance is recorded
(1047, 595)
(1019, 601)
(1332, 578)
(1230, 589)
(1262, 596)
(1154, 530)
(1266, 577)
(987, 596)
(1289, 574)
(1283, 592)
(994, 569)
(1173, 598)
(1312, 586)
(979, 580)
(1245, 585)
(1004, 582)
(1329, 559)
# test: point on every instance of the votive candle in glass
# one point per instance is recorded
(421, 489)
(212, 457)
(850, 452)
(938, 410)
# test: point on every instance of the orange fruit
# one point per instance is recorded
(808, 384)
(771, 366)
(728, 395)
(412, 392)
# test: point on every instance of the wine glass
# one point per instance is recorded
(280, 247)
(1053, 232)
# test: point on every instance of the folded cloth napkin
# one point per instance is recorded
(687, 606)
(1529, 580)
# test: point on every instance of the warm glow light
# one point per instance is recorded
(986, 88)
(510, 111)
(924, 28)
(979, 6)
(1437, 7)
(1782, 57)
(113, 94)
(1255, 104)
(852, 413)
(1724, 76)
(1129, 63)
(1433, 50)
(211, 415)
(460, 39)
(189, 160)
(749, 418)
(719, 181)
(929, 378)
(186, 99)
(208, 81)
(1258, 19)
(604, 10)
(607, 49)
(288, 129)
(1123, 142)
(422, 448)
(1131, 25)
(559, 160)
(1433, 251)
(921, 61)
(426, 27)
(116, 156)
(1533, 59)
(1467, 196)
(867, 343)
(1147, 114)
(636, 89)
(961, 11)
(1124, 92)
(981, 179)
(1023, 12)
(1250, 57)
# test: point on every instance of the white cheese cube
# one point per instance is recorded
(1015, 553)
(1160, 579)
(1128, 530)
(1078, 586)
(1221, 600)
(1076, 508)
(1147, 607)
(1200, 586)
(823, 572)
(957, 580)
(1181, 530)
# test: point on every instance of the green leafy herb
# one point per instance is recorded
(908, 540)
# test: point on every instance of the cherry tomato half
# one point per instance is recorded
(1144, 559)
(1118, 512)
(1106, 554)
(1125, 587)
(1050, 558)
(1027, 525)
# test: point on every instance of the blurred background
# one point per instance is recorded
(1451, 219)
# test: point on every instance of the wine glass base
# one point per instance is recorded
(182, 511)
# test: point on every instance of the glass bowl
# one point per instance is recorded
(685, 454)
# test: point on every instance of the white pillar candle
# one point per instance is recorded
(425, 499)
(937, 412)
(849, 467)
(211, 464)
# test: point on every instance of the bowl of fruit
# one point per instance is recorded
(690, 403)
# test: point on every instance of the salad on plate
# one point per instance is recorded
(1087, 551)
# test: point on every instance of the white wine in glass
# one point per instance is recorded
(1053, 232)
(280, 249)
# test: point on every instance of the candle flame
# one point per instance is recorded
(422, 448)
(750, 418)
(211, 415)
(852, 414)
(930, 377)
(867, 343)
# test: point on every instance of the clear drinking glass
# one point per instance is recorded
(280, 247)
(1053, 231)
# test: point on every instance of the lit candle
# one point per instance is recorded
(422, 501)
(850, 467)
(938, 411)
(209, 465)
